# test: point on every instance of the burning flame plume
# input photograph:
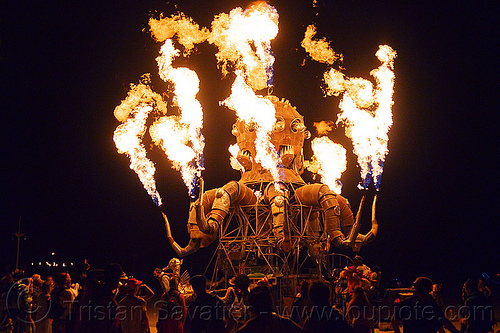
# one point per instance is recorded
(188, 32)
(233, 150)
(243, 38)
(180, 136)
(368, 130)
(133, 112)
(329, 161)
(319, 50)
(259, 111)
(323, 127)
(366, 112)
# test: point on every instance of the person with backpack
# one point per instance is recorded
(236, 298)
(172, 310)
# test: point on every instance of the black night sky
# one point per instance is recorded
(65, 65)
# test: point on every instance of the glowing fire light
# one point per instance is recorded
(369, 130)
(366, 112)
(128, 137)
(233, 150)
(259, 111)
(329, 161)
(180, 137)
(319, 50)
(243, 38)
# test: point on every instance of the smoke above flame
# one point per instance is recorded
(366, 112)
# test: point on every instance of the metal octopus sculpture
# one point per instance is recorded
(257, 219)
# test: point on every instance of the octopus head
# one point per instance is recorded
(287, 137)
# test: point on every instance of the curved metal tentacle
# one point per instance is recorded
(197, 238)
(193, 245)
(233, 193)
(370, 236)
(279, 201)
(354, 233)
(337, 213)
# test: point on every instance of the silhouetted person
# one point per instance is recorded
(436, 294)
(163, 278)
(483, 287)
(238, 303)
(477, 312)
(324, 318)
(44, 323)
(420, 312)
(172, 310)
(133, 311)
(360, 312)
(301, 304)
(61, 304)
(207, 313)
(98, 308)
(263, 318)
(5, 318)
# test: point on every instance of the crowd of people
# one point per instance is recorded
(106, 300)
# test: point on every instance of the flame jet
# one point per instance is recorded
(133, 112)
(329, 211)
(269, 150)
(366, 112)
(180, 136)
(329, 161)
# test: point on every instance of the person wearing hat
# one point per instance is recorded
(132, 310)
(97, 296)
(354, 278)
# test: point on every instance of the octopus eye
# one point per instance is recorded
(279, 125)
(235, 131)
(297, 125)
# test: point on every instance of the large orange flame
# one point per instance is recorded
(128, 137)
(366, 112)
(180, 136)
(243, 38)
(329, 161)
